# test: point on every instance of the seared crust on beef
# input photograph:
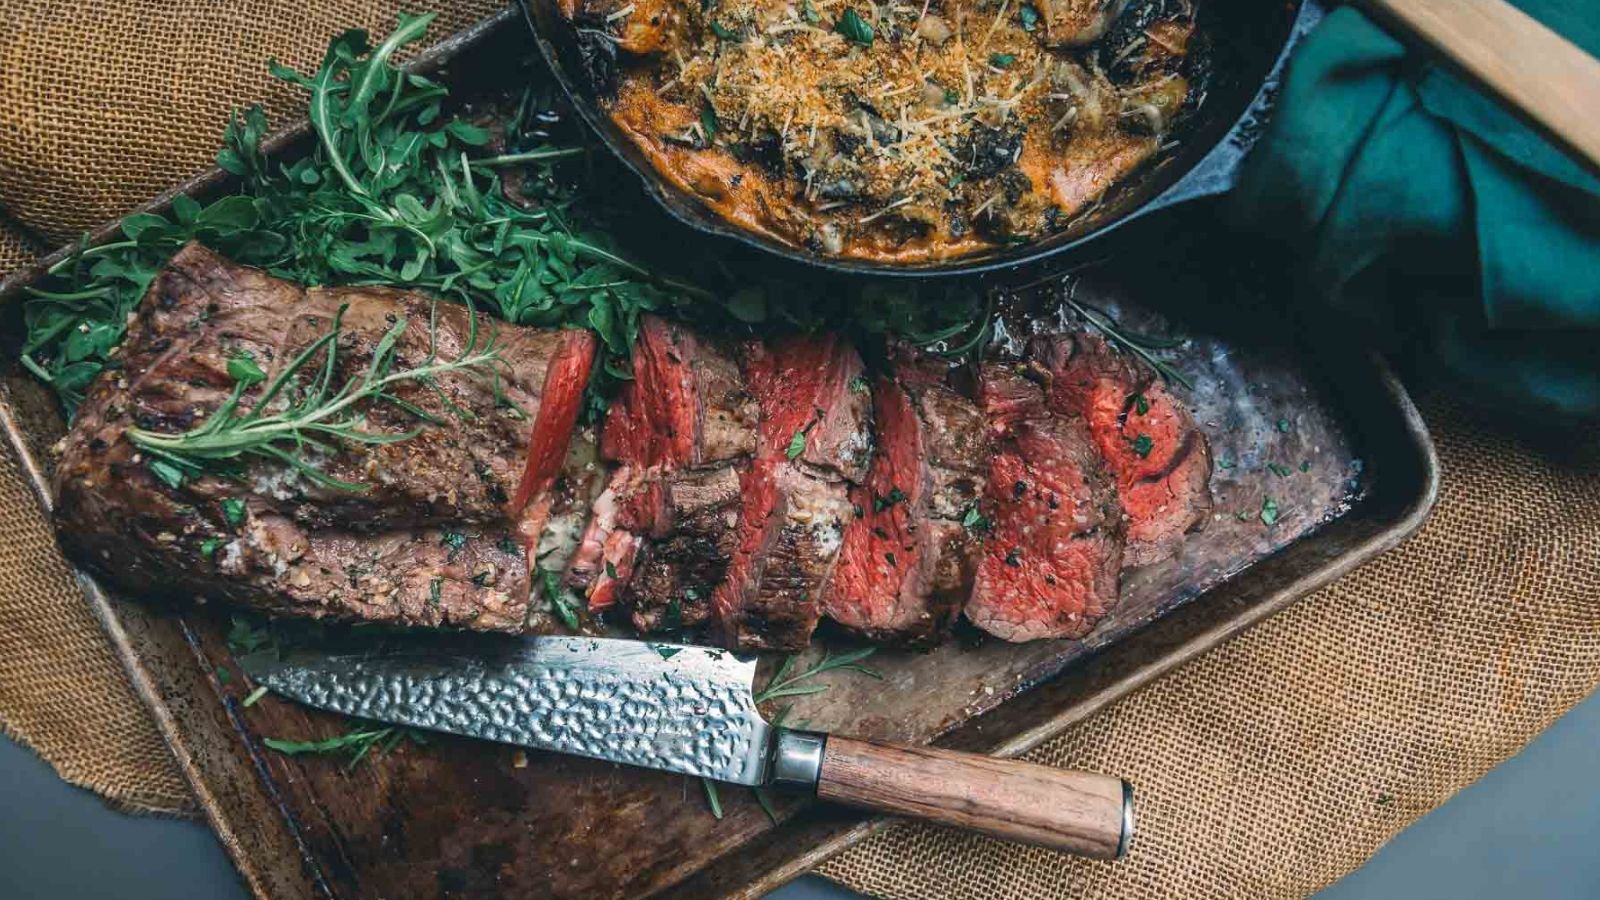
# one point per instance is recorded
(1050, 563)
(694, 537)
(428, 542)
(1151, 443)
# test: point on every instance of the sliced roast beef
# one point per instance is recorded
(1049, 566)
(430, 538)
(908, 557)
(1158, 454)
(814, 440)
(686, 407)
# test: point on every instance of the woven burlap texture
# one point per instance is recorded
(1267, 768)
(107, 105)
(62, 691)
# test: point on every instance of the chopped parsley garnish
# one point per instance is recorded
(1305, 466)
(889, 558)
(1002, 60)
(611, 569)
(974, 520)
(233, 511)
(1142, 445)
(1283, 426)
(243, 370)
(708, 121)
(1280, 470)
(952, 97)
(860, 385)
(879, 504)
(854, 28)
(1140, 404)
(860, 513)
(1014, 557)
(1269, 511)
(797, 444)
(1029, 16)
(435, 590)
(1225, 462)
(509, 546)
(455, 540)
(170, 475)
(723, 32)
(666, 652)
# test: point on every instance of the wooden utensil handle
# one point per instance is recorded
(1533, 70)
(1074, 812)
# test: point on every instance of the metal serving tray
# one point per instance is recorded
(463, 818)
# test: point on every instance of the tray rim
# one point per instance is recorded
(126, 645)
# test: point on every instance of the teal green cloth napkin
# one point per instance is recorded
(1457, 238)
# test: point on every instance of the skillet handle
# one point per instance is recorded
(1535, 72)
(1074, 812)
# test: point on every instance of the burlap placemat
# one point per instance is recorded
(1267, 768)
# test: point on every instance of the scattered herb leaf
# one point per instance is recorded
(1029, 16)
(243, 370)
(712, 800)
(1002, 60)
(1283, 426)
(974, 520)
(860, 385)
(1269, 511)
(1142, 445)
(797, 444)
(879, 504)
(666, 652)
(1140, 404)
(854, 28)
(1225, 462)
(169, 474)
(809, 12)
(560, 603)
(251, 698)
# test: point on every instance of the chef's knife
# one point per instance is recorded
(691, 709)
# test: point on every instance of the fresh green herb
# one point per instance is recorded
(723, 32)
(243, 370)
(317, 416)
(709, 122)
(1002, 60)
(453, 539)
(508, 546)
(1280, 470)
(1143, 346)
(951, 98)
(1269, 511)
(251, 698)
(1283, 426)
(1225, 462)
(890, 559)
(233, 510)
(245, 636)
(209, 547)
(787, 683)
(879, 504)
(1014, 557)
(666, 652)
(1244, 515)
(169, 474)
(797, 444)
(611, 569)
(1305, 465)
(357, 743)
(435, 590)
(1142, 445)
(809, 12)
(860, 385)
(1141, 405)
(974, 520)
(560, 603)
(1029, 16)
(854, 28)
(712, 800)
(223, 675)
(766, 804)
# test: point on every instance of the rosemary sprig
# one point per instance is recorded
(784, 684)
(321, 415)
(359, 742)
(1139, 345)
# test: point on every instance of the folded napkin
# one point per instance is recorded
(1464, 243)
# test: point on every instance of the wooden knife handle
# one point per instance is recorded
(1074, 812)
(1536, 72)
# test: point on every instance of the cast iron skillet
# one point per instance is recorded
(1249, 41)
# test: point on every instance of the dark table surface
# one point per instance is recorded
(1529, 831)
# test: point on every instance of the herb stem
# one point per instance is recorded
(511, 159)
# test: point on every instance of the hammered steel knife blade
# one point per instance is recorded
(681, 708)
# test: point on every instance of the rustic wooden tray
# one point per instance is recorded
(465, 818)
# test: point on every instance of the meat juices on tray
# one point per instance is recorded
(433, 538)
(1050, 564)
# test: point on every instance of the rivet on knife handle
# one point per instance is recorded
(1074, 812)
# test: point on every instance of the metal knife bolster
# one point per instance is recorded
(796, 763)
